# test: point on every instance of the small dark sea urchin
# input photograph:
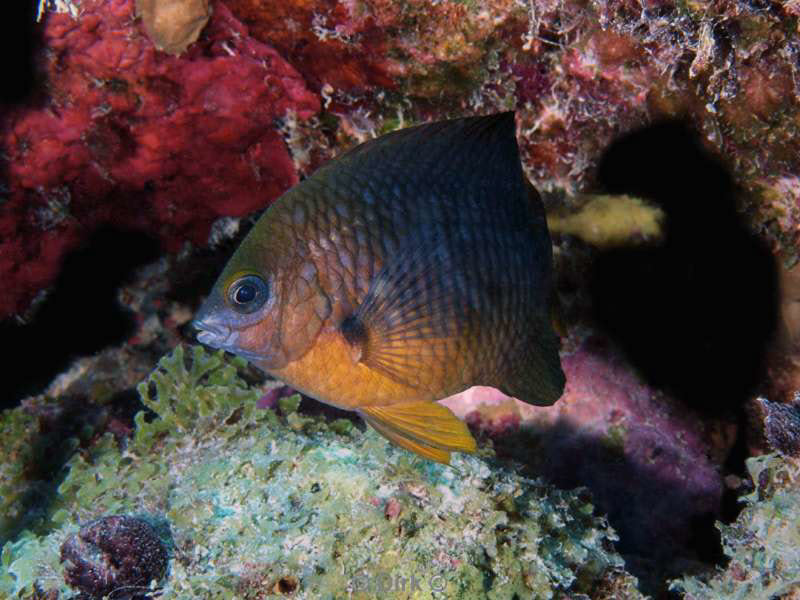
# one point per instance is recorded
(115, 556)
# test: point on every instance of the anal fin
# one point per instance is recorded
(429, 452)
(425, 428)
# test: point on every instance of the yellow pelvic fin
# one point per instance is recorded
(425, 428)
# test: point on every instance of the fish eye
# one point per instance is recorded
(247, 294)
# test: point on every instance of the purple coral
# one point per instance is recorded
(116, 556)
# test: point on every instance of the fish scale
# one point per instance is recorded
(408, 269)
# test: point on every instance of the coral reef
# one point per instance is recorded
(114, 132)
(182, 147)
(638, 451)
(124, 134)
(298, 504)
(354, 53)
(763, 545)
(115, 556)
(578, 74)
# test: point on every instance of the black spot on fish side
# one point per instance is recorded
(354, 331)
(695, 315)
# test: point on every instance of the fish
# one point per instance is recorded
(411, 268)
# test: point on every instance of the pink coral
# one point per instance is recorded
(131, 136)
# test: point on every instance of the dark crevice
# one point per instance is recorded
(695, 314)
(20, 41)
(80, 315)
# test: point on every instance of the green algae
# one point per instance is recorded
(763, 544)
(15, 444)
(260, 503)
(31, 460)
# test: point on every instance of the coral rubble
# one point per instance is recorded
(763, 544)
(292, 503)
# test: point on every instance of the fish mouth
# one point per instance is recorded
(221, 337)
(211, 334)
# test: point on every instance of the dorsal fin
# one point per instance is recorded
(465, 170)
(490, 132)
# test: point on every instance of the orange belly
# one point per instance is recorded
(329, 373)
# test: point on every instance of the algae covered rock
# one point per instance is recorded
(763, 544)
(257, 504)
(33, 448)
(18, 450)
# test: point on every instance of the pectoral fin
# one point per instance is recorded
(416, 313)
(425, 428)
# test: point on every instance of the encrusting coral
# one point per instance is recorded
(260, 504)
(607, 221)
(763, 544)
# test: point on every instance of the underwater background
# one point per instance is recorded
(141, 144)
